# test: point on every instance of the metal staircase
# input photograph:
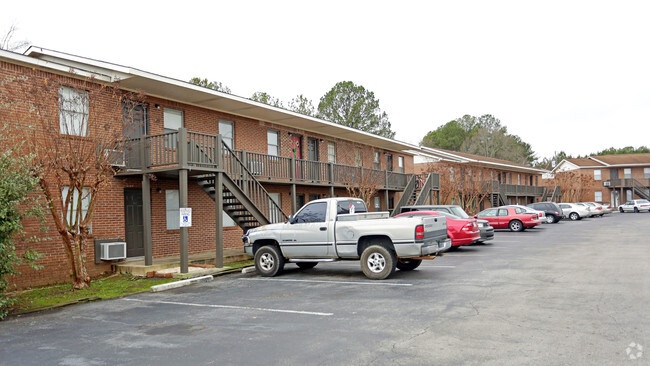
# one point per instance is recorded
(640, 190)
(417, 191)
(497, 199)
(244, 199)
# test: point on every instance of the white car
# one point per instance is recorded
(591, 212)
(574, 211)
(635, 206)
(607, 208)
(595, 207)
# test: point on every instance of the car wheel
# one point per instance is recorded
(268, 261)
(621, 209)
(636, 210)
(516, 225)
(378, 262)
(574, 216)
(306, 265)
(550, 219)
(408, 264)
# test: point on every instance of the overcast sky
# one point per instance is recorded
(563, 75)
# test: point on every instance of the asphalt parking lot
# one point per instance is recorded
(572, 293)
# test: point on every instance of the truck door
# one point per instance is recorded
(308, 236)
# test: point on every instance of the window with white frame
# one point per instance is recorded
(273, 142)
(73, 111)
(172, 121)
(627, 172)
(597, 174)
(377, 204)
(331, 152)
(598, 196)
(357, 157)
(172, 206)
(72, 218)
(451, 174)
(519, 179)
(646, 173)
(400, 164)
(376, 160)
(227, 132)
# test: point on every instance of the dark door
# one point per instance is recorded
(134, 222)
(135, 123)
(313, 168)
(613, 174)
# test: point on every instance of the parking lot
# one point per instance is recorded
(568, 293)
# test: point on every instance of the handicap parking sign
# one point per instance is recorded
(186, 217)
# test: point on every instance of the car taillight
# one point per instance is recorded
(419, 232)
(468, 226)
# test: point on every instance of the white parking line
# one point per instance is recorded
(375, 283)
(232, 307)
(436, 266)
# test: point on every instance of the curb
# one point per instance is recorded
(182, 283)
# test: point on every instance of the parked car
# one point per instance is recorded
(589, 208)
(596, 208)
(332, 229)
(541, 215)
(607, 208)
(551, 209)
(513, 218)
(574, 211)
(635, 206)
(460, 231)
(487, 231)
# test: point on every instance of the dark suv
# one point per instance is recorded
(551, 209)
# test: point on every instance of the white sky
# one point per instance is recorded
(563, 75)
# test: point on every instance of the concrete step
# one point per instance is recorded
(136, 266)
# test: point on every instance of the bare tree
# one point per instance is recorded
(573, 184)
(74, 127)
(7, 42)
(463, 185)
(362, 183)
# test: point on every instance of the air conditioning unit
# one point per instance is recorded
(116, 157)
(256, 167)
(111, 251)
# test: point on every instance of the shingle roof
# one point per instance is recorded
(621, 159)
(584, 162)
(483, 158)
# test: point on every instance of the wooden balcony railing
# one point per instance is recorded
(627, 183)
(164, 150)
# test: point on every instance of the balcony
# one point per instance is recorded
(627, 183)
(517, 190)
(207, 154)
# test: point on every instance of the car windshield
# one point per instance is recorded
(459, 212)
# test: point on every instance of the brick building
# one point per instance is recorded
(503, 181)
(614, 178)
(235, 162)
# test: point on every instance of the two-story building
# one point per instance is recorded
(235, 162)
(613, 178)
(489, 181)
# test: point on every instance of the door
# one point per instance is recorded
(308, 236)
(133, 222)
(135, 123)
(312, 155)
(296, 148)
(613, 174)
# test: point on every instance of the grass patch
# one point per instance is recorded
(105, 287)
(240, 264)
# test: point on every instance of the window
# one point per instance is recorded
(627, 172)
(502, 212)
(72, 219)
(598, 196)
(389, 162)
(172, 119)
(357, 157)
(597, 174)
(628, 195)
(172, 205)
(400, 164)
(314, 212)
(273, 142)
(646, 173)
(451, 173)
(376, 160)
(331, 152)
(73, 111)
(377, 204)
(227, 132)
(490, 212)
(519, 179)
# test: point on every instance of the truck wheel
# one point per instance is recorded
(516, 225)
(408, 264)
(378, 262)
(268, 261)
(306, 265)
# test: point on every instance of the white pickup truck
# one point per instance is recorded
(333, 229)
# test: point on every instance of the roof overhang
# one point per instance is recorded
(184, 92)
(453, 158)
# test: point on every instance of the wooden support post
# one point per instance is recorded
(218, 199)
(146, 215)
(184, 237)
